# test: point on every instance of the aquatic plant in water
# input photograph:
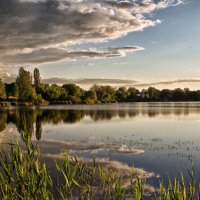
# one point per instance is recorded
(23, 175)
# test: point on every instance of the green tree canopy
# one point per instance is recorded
(2, 90)
(24, 83)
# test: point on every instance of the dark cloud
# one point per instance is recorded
(56, 54)
(34, 25)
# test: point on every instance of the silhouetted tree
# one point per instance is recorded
(153, 94)
(165, 95)
(178, 95)
(133, 94)
(37, 79)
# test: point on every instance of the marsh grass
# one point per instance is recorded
(23, 175)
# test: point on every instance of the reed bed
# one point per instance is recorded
(24, 176)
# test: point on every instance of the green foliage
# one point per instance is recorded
(121, 94)
(24, 83)
(179, 190)
(133, 94)
(2, 90)
(74, 93)
(23, 175)
(15, 92)
(90, 97)
(37, 78)
(105, 94)
(52, 93)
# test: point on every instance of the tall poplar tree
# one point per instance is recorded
(37, 78)
(24, 83)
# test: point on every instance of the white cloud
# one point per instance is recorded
(39, 27)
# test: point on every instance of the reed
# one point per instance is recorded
(24, 176)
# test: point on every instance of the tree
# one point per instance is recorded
(2, 90)
(178, 95)
(74, 92)
(105, 94)
(15, 91)
(165, 95)
(133, 94)
(153, 94)
(52, 93)
(24, 83)
(121, 94)
(90, 97)
(37, 78)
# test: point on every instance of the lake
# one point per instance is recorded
(160, 138)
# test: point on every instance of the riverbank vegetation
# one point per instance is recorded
(28, 90)
(25, 175)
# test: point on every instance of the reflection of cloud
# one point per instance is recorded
(78, 147)
(33, 30)
(112, 148)
(88, 64)
(123, 170)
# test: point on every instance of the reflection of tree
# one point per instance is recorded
(52, 116)
(3, 117)
(98, 115)
(25, 119)
(153, 113)
(38, 127)
(73, 116)
(133, 113)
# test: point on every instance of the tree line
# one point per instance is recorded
(29, 88)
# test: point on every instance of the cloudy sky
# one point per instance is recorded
(119, 42)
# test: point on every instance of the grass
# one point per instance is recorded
(24, 176)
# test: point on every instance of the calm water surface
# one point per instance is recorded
(159, 137)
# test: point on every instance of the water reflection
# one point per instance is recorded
(32, 120)
(156, 137)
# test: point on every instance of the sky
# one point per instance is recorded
(138, 43)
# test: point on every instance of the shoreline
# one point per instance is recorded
(8, 104)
